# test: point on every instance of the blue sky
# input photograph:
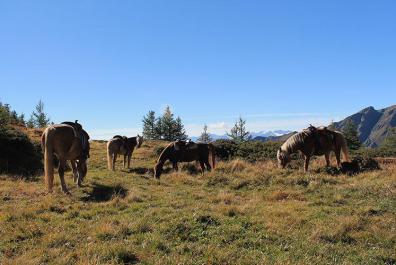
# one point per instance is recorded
(279, 64)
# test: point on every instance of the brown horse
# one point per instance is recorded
(314, 141)
(122, 145)
(181, 151)
(67, 141)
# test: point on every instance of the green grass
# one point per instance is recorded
(241, 213)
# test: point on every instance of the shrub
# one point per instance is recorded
(19, 155)
(249, 150)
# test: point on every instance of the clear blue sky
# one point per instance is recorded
(280, 64)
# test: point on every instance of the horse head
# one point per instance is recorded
(139, 141)
(283, 158)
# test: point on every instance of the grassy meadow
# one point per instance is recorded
(241, 213)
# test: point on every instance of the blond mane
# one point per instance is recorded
(292, 143)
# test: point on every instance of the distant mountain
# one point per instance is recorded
(279, 138)
(260, 136)
(373, 125)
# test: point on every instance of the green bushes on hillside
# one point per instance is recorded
(18, 155)
(249, 150)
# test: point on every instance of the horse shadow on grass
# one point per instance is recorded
(103, 193)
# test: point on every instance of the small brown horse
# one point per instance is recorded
(122, 145)
(181, 151)
(314, 141)
(67, 141)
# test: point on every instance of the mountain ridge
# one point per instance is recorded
(373, 125)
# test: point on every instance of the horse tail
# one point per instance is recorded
(344, 146)
(47, 143)
(212, 155)
(109, 157)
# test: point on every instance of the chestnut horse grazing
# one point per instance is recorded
(67, 141)
(121, 145)
(314, 141)
(182, 151)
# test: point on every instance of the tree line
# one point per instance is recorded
(38, 118)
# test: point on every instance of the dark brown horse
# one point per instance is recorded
(181, 151)
(67, 141)
(314, 141)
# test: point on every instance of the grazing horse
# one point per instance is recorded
(66, 141)
(122, 145)
(181, 151)
(314, 141)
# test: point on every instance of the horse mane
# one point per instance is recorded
(294, 141)
(164, 152)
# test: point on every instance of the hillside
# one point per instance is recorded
(241, 213)
(373, 125)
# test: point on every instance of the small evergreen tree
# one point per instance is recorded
(21, 119)
(39, 117)
(238, 132)
(30, 122)
(205, 137)
(167, 125)
(179, 133)
(149, 123)
(351, 136)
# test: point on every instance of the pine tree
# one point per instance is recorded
(21, 119)
(149, 124)
(351, 135)
(158, 129)
(39, 117)
(167, 125)
(179, 133)
(30, 122)
(238, 132)
(205, 137)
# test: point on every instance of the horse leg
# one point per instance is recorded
(327, 157)
(114, 160)
(306, 163)
(338, 157)
(75, 170)
(129, 160)
(208, 166)
(125, 158)
(202, 164)
(175, 167)
(61, 171)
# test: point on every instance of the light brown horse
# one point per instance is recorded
(122, 145)
(181, 151)
(67, 141)
(314, 141)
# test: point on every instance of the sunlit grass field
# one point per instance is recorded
(241, 213)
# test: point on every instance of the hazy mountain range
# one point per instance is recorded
(261, 136)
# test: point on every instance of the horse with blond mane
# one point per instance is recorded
(314, 141)
(122, 145)
(65, 141)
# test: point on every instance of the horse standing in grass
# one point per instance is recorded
(181, 151)
(66, 141)
(122, 145)
(314, 141)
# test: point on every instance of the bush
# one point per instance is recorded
(250, 150)
(18, 155)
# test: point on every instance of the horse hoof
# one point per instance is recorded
(66, 192)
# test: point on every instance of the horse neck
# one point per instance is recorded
(290, 148)
(164, 155)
